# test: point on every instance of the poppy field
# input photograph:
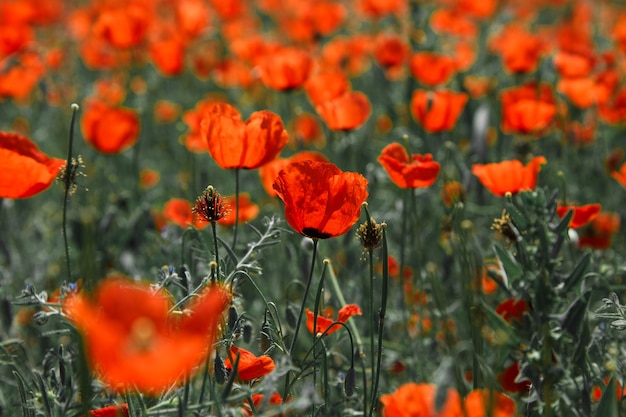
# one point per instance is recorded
(396, 208)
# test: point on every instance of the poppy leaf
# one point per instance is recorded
(563, 225)
(518, 219)
(608, 402)
(500, 326)
(512, 269)
(577, 273)
(229, 251)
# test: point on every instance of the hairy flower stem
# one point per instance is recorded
(68, 185)
(372, 318)
(236, 209)
(217, 258)
(381, 322)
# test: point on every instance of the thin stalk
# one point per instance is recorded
(217, 258)
(236, 208)
(68, 185)
(372, 318)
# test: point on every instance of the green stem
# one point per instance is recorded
(68, 185)
(372, 318)
(236, 208)
(217, 259)
(304, 297)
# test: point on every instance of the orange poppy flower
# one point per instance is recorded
(26, 170)
(573, 64)
(111, 411)
(269, 171)
(528, 109)
(432, 69)
(482, 402)
(453, 22)
(14, 38)
(412, 399)
(132, 340)
(235, 144)
(148, 178)
(519, 49)
(179, 212)
(307, 130)
(166, 111)
(324, 322)
(509, 382)
(123, 26)
(247, 210)
(257, 400)
(193, 139)
(346, 112)
(584, 92)
(582, 214)
(437, 111)
(18, 81)
(380, 8)
(390, 50)
(347, 54)
(599, 234)
(326, 86)
(620, 175)
(321, 201)
(109, 129)
(452, 192)
(509, 176)
(408, 171)
(286, 68)
(613, 111)
(250, 366)
(168, 55)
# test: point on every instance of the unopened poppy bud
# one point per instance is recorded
(210, 206)
(247, 332)
(233, 317)
(291, 316)
(350, 382)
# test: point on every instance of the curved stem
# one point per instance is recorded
(304, 297)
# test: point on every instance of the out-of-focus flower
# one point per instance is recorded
(408, 171)
(257, 400)
(19, 80)
(346, 112)
(437, 111)
(285, 69)
(509, 176)
(166, 111)
(269, 171)
(26, 170)
(527, 109)
(109, 129)
(452, 192)
(412, 399)
(307, 130)
(512, 309)
(599, 234)
(509, 382)
(110, 411)
(453, 22)
(326, 86)
(321, 201)
(123, 25)
(180, 212)
(613, 111)
(134, 342)
(347, 54)
(250, 366)
(236, 144)
(520, 50)
(168, 55)
(432, 69)
(582, 214)
(482, 402)
(248, 211)
(324, 322)
(381, 8)
(193, 139)
(391, 52)
(148, 178)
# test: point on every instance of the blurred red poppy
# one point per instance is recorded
(520, 50)
(285, 69)
(380, 8)
(511, 309)
(452, 192)
(257, 400)
(269, 171)
(235, 144)
(326, 86)
(346, 112)
(179, 211)
(432, 69)
(110, 411)
(413, 399)
(527, 109)
(168, 55)
(599, 234)
(321, 201)
(109, 129)
(408, 171)
(134, 342)
(582, 214)
(482, 402)
(247, 210)
(324, 322)
(26, 170)
(123, 25)
(437, 111)
(453, 22)
(250, 366)
(508, 380)
(509, 176)
(307, 129)
(390, 50)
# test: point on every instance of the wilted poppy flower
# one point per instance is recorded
(528, 109)
(235, 144)
(250, 366)
(269, 171)
(321, 201)
(109, 129)
(134, 342)
(110, 411)
(509, 176)
(437, 111)
(508, 380)
(412, 399)
(26, 170)
(346, 112)
(323, 323)
(415, 171)
(247, 210)
(582, 214)
(432, 69)
(285, 69)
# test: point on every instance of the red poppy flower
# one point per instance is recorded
(193, 140)
(572, 64)
(585, 92)
(132, 340)
(437, 111)
(599, 234)
(582, 214)
(453, 22)
(250, 366)
(508, 380)
(323, 322)
(528, 109)
(168, 55)
(452, 192)
(416, 171)
(509, 176)
(413, 399)
(613, 111)
(179, 211)
(347, 54)
(110, 411)
(326, 86)
(285, 69)
(235, 144)
(109, 129)
(620, 175)
(20, 79)
(519, 49)
(511, 309)
(380, 8)
(346, 112)
(307, 130)
(482, 402)
(390, 50)
(432, 69)
(123, 26)
(269, 171)
(321, 201)
(247, 210)
(26, 170)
